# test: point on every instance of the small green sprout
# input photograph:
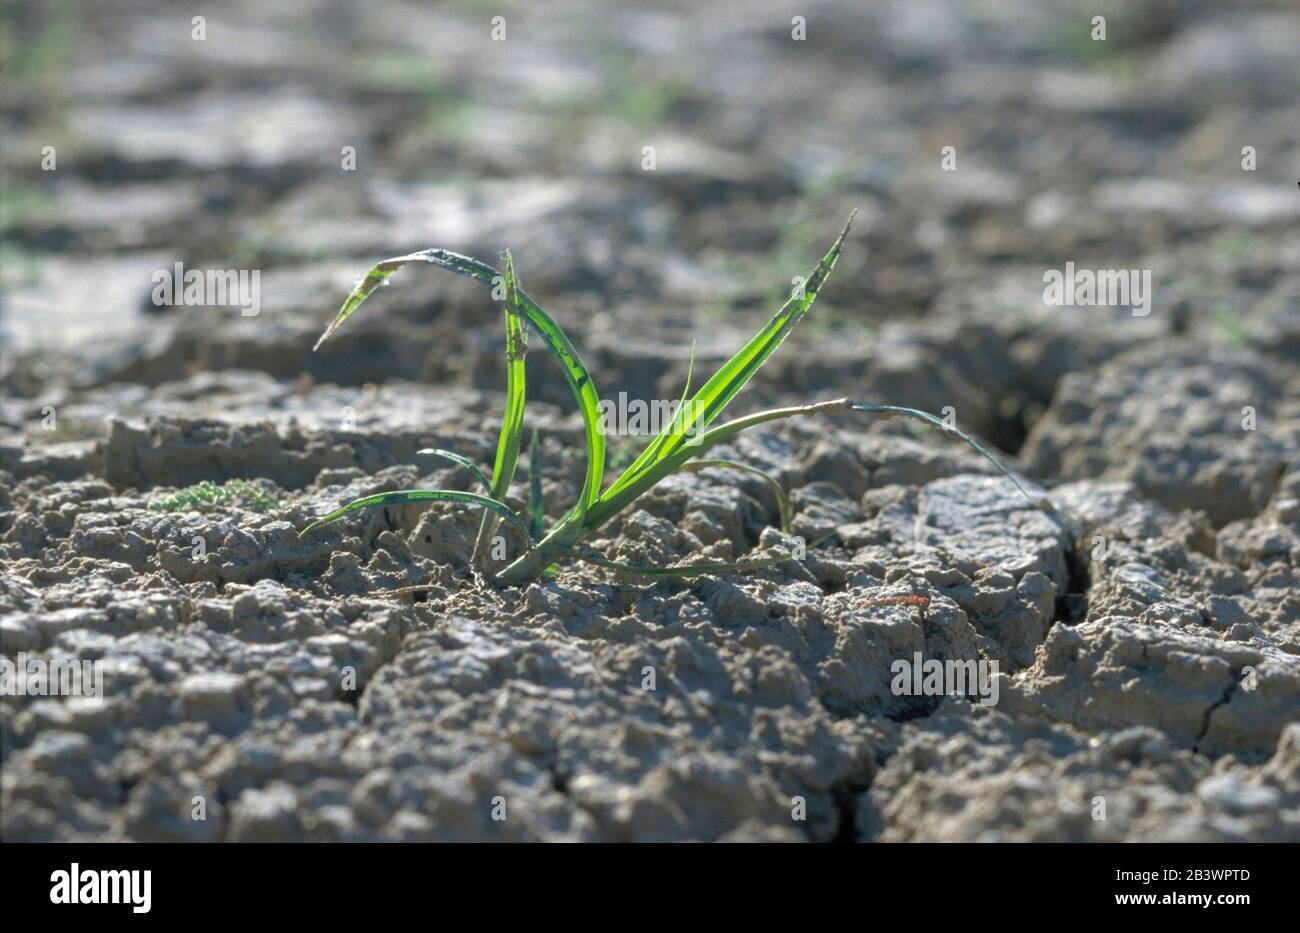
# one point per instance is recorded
(208, 493)
(679, 446)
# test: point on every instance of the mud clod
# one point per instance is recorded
(1129, 641)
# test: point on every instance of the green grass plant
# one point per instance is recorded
(681, 444)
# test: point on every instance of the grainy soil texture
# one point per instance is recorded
(660, 174)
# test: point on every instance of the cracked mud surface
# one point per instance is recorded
(1146, 624)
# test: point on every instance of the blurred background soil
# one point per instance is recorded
(307, 140)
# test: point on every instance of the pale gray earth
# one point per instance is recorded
(1145, 619)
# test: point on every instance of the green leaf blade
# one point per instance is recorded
(512, 421)
(575, 372)
(536, 506)
(682, 570)
(714, 396)
(610, 506)
(412, 496)
(461, 461)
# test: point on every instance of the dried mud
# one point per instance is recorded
(1146, 624)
